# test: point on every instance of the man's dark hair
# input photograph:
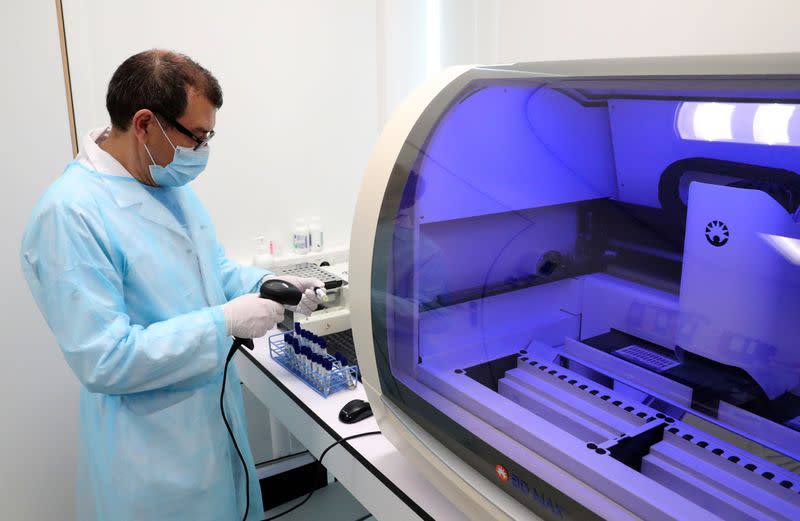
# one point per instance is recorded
(157, 80)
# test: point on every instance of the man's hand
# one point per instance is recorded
(310, 300)
(251, 316)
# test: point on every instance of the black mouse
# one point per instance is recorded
(355, 411)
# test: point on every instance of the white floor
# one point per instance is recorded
(332, 503)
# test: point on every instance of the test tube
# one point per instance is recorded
(300, 358)
(297, 349)
(317, 370)
(299, 334)
(297, 357)
(306, 360)
(326, 377)
(287, 347)
(309, 369)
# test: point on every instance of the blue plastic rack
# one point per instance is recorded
(338, 379)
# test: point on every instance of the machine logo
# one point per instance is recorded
(717, 233)
(502, 473)
(529, 491)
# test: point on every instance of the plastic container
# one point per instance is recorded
(316, 235)
(265, 253)
(300, 238)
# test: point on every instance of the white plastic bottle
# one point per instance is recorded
(315, 233)
(300, 238)
(265, 254)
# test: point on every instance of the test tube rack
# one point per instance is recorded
(337, 379)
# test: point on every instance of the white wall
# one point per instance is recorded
(300, 111)
(532, 30)
(402, 51)
(469, 32)
(38, 392)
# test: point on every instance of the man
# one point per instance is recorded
(124, 264)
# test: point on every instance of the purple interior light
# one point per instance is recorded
(747, 123)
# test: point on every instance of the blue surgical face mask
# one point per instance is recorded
(185, 166)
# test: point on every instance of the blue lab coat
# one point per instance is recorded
(130, 278)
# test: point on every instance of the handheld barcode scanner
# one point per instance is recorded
(274, 289)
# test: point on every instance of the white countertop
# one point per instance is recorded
(371, 468)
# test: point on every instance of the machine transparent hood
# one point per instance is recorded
(607, 265)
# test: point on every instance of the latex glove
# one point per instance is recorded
(251, 316)
(310, 300)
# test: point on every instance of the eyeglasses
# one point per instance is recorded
(186, 132)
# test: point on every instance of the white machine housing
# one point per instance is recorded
(584, 378)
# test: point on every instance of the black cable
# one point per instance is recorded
(332, 445)
(234, 347)
(354, 436)
(364, 517)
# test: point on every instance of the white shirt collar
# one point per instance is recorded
(96, 158)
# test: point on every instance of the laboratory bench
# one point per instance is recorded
(370, 468)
